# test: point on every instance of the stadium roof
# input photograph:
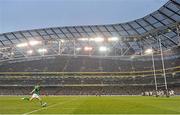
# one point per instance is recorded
(115, 40)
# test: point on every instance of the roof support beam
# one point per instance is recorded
(2, 43)
(134, 29)
(166, 16)
(154, 35)
(126, 51)
(161, 23)
(169, 39)
(7, 38)
(124, 29)
(171, 10)
(80, 35)
(174, 2)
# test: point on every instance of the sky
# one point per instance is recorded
(18, 15)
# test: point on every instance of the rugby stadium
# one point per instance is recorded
(124, 68)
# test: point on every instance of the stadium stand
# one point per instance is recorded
(69, 61)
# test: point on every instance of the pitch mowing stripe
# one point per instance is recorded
(47, 107)
(97, 114)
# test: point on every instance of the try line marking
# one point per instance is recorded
(46, 107)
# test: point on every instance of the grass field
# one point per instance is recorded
(91, 105)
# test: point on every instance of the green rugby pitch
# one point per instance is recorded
(91, 105)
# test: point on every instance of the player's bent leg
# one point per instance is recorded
(36, 96)
(31, 98)
(40, 100)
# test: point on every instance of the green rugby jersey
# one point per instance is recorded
(37, 89)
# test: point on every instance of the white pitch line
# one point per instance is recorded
(45, 107)
(40, 109)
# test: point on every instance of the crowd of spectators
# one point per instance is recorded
(98, 85)
(92, 84)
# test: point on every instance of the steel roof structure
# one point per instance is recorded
(121, 39)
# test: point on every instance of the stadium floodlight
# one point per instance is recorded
(174, 73)
(62, 40)
(132, 56)
(29, 52)
(78, 49)
(113, 39)
(83, 39)
(33, 43)
(103, 49)
(42, 50)
(98, 39)
(149, 51)
(88, 48)
(12, 53)
(22, 45)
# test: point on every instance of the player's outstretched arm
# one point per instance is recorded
(32, 91)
